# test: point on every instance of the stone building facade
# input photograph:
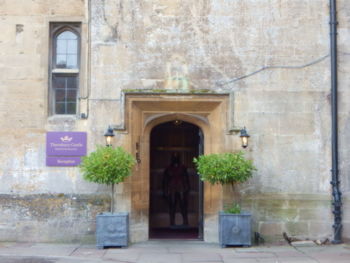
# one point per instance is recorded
(218, 65)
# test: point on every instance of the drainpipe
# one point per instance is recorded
(336, 193)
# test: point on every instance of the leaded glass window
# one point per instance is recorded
(65, 68)
(67, 50)
(65, 89)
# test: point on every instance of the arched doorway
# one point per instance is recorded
(143, 112)
(176, 193)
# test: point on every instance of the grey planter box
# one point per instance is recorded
(112, 230)
(235, 229)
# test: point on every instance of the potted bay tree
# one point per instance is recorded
(231, 169)
(110, 166)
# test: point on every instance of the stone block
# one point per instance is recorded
(297, 123)
(280, 214)
(270, 228)
(306, 243)
(211, 228)
(321, 230)
(297, 228)
(304, 202)
(317, 214)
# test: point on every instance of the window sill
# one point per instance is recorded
(65, 71)
(56, 119)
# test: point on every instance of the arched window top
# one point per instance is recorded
(66, 47)
(67, 35)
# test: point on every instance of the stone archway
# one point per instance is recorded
(143, 113)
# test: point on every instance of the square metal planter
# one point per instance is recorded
(235, 229)
(112, 230)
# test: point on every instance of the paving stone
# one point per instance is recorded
(288, 260)
(37, 251)
(306, 243)
(240, 260)
(201, 257)
(254, 255)
(274, 249)
(82, 260)
(122, 255)
(26, 260)
(334, 258)
(186, 252)
(89, 252)
(213, 248)
(159, 258)
(288, 254)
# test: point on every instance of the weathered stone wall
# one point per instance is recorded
(38, 203)
(50, 217)
(344, 110)
(285, 106)
(186, 46)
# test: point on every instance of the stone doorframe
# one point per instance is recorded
(145, 111)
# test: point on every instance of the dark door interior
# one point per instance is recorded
(175, 189)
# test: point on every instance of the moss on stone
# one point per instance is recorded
(157, 90)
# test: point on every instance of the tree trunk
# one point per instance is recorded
(236, 194)
(112, 200)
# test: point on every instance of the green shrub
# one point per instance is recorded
(224, 168)
(233, 209)
(107, 165)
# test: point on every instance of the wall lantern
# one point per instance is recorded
(244, 137)
(109, 136)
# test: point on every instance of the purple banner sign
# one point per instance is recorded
(64, 148)
(62, 161)
(66, 143)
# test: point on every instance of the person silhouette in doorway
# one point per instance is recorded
(176, 187)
